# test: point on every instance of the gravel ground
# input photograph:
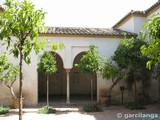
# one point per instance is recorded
(76, 113)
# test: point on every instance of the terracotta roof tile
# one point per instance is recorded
(153, 6)
(87, 31)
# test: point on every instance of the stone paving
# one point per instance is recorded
(76, 113)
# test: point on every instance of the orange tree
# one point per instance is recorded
(8, 73)
(112, 72)
(47, 65)
(128, 56)
(20, 25)
(89, 63)
(152, 48)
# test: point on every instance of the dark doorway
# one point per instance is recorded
(80, 83)
(57, 83)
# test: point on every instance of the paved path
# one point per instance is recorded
(76, 113)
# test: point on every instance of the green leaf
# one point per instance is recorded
(15, 52)
(47, 63)
(61, 46)
(22, 21)
(149, 64)
(54, 46)
(89, 63)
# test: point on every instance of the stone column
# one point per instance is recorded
(68, 87)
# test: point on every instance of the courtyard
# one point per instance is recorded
(72, 112)
(63, 67)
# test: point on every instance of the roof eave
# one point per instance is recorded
(129, 15)
(143, 13)
(86, 35)
(99, 32)
(153, 8)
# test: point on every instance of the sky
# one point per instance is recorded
(88, 13)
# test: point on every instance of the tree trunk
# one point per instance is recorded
(109, 93)
(91, 90)
(47, 91)
(159, 89)
(110, 90)
(135, 88)
(20, 85)
(12, 92)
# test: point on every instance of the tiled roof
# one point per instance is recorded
(142, 13)
(153, 6)
(87, 31)
(129, 14)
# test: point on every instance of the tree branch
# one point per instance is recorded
(25, 36)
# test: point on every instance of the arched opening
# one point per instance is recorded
(80, 83)
(57, 83)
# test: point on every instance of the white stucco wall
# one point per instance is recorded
(134, 24)
(128, 25)
(138, 24)
(76, 45)
(73, 46)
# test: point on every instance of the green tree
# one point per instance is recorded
(151, 29)
(152, 48)
(47, 65)
(110, 71)
(128, 56)
(8, 73)
(90, 63)
(4, 64)
(9, 76)
(20, 25)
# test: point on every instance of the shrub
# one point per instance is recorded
(134, 106)
(92, 108)
(4, 110)
(46, 110)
